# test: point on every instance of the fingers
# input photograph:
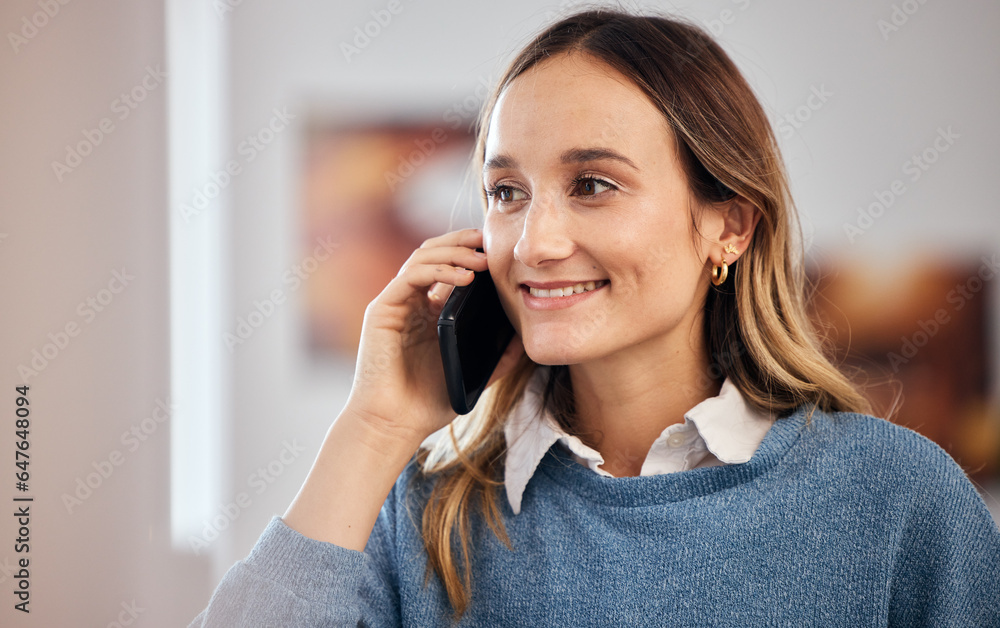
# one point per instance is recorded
(439, 264)
(416, 280)
(439, 293)
(456, 248)
(471, 238)
(421, 277)
(459, 257)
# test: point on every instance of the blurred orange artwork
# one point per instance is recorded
(915, 336)
(377, 191)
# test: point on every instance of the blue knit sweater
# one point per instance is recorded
(845, 520)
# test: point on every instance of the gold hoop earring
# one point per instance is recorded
(719, 274)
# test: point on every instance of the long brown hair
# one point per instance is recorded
(756, 326)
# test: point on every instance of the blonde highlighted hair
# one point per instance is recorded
(756, 325)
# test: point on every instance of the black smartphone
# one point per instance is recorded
(473, 331)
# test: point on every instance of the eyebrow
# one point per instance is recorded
(571, 156)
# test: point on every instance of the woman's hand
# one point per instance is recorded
(399, 385)
(399, 396)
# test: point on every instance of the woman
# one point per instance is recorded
(664, 442)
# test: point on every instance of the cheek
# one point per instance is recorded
(656, 256)
(669, 240)
(499, 238)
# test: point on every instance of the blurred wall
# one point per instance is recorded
(853, 104)
(84, 309)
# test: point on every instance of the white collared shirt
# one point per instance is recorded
(719, 430)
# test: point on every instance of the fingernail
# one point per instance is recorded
(480, 254)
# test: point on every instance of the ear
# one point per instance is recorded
(729, 227)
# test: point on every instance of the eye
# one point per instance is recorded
(591, 186)
(505, 194)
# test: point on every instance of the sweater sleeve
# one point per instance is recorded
(947, 567)
(292, 580)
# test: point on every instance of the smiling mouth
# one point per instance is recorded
(568, 290)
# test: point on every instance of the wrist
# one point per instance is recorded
(380, 434)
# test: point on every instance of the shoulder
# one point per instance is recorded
(891, 473)
(871, 437)
(886, 453)
(399, 520)
(412, 490)
(413, 482)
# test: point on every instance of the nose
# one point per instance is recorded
(544, 234)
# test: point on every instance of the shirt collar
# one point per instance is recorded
(731, 429)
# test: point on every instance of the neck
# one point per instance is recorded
(625, 401)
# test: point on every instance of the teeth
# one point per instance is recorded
(568, 290)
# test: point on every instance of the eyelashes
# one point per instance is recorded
(583, 185)
(497, 192)
(593, 181)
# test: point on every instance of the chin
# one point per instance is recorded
(548, 359)
(552, 350)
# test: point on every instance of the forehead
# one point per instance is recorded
(575, 99)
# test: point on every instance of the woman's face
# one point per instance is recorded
(585, 190)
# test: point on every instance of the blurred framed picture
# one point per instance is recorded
(375, 191)
(917, 334)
